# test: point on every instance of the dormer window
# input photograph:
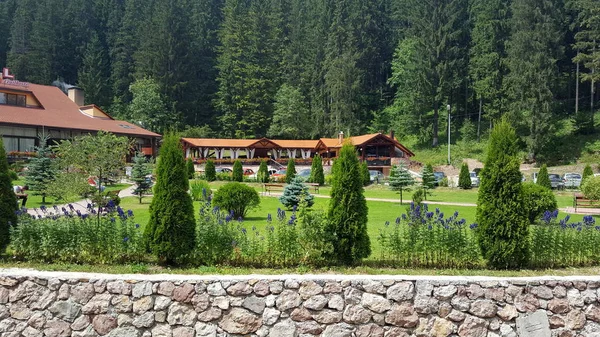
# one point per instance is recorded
(13, 99)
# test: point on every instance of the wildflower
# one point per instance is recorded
(88, 206)
(597, 228)
(240, 219)
(228, 218)
(253, 228)
(271, 228)
(244, 231)
(291, 222)
(43, 208)
(130, 213)
(125, 239)
(437, 211)
(71, 207)
(84, 216)
(110, 204)
(397, 220)
(567, 218)
(112, 220)
(429, 215)
(456, 214)
(216, 209)
(39, 216)
(589, 220)
(403, 216)
(473, 226)
(233, 243)
(269, 218)
(294, 208)
(204, 193)
(462, 222)
(137, 225)
(430, 227)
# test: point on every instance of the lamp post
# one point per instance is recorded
(448, 106)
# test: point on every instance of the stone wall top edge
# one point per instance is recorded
(19, 272)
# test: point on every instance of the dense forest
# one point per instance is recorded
(312, 68)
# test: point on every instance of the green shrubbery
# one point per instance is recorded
(290, 172)
(464, 178)
(537, 200)
(238, 172)
(543, 179)
(8, 200)
(364, 171)
(587, 172)
(316, 171)
(591, 188)
(210, 173)
(296, 192)
(236, 197)
(191, 170)
(200, 190)
(401, 180)
(262, 176)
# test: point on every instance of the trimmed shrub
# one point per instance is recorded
(537, 200)
(294, 193)
(8, 200)
(417, 197)
(364, 171)
(200, 190)
(238, 172)
(171, 230)
(543, 179)
(428, 182)
(237, 198)
(503, 224)
(316, 172)
(464, 178)
(139, 173)
(210, 172)
(263, 172)
(591, 188)
(347, 215)
(290, 173)
(191, 170)
(587, 172)
(13, 175)
(401, 180)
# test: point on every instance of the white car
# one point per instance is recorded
(269, 171)
(474, 179)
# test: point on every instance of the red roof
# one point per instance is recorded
(334, 143)
(58, 111)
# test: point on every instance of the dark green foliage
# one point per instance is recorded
(316, 171)
(263, 172)
(401, 180)
(364, 171)
(295, 192)
(290, 173)
(191, 170)
(41, 170)
(13, 175)
(237, 198)
(210, 173)
(543, 179)
(418, 196)
(170, 233)
(503, 224)
(464, 178)
(8, 201)
(537, 200)
(428, 180)
(238, 172)
(347, 215)
(587, 172)
(200, 190)
(139, 173)
(591, 188)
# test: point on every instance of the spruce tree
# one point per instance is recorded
(139, 172)
(428, 180)
(316, 171)
(503, 225)
(364, 171)
(191, 169)
(464, 178)
(347, 215)
(210, 172)
(587, 172)
(295, 192)
(8, 201)
(543, 179)
(93, 74)
(290, 173)
(238, 172)
(400, 180)
(41, 170)
(263, 172)
(170, 233)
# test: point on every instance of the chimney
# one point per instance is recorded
(76, 95)
(392, 134)
(341, 137)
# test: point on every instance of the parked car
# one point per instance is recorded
(279, 175)
(223, 170)
(474, 179)
(556, 182)
(572, 180)
(439, 176)
(376, 176)
(254, 174)
(303, 174)
(248, 172)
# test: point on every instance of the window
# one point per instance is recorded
(13, 99)
(18, 144)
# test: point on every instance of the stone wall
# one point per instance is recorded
(69, 304)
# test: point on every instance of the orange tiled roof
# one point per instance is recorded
(296, 144)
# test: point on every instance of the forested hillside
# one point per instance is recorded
(310, 68)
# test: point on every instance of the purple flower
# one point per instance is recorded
(71, 207)
(112, 220)
(269, 218)
(294, 208)
(244, 231)
(387, 223)
(589, 220)
(125, 239)
(397, 220)
(137, 225)
(429, 215)
(473, 226)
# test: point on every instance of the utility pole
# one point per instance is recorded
(448, 106)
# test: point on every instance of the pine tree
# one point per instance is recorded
(263, 172)
(139, 173)
(290, 114)
(93, 74)
(587, 172)
(347, 215)
(464, 178)
(543, 179)
(210, 172)
(400, 180)
(238, 171)
(428, 180)
(191, 169)
(295, 192)
(41, 169)
(503, 225)
(316, 171)
(364, 171)
(290, 173)
(170, 233)
(8, 201)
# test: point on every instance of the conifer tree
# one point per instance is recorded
(587, 172)
(170, 233)
(543, 179)
(295, 192)
(210, 172)
(503, 224)
(464, 178)
(263, 172)
(238, 172)
(41, 170)
(316, 171)
(8, 200)
(93, 73)
(428, 180)
(290, 172)
(401, 180)
(139, 177)
(347, 215)
(191, 169)
(364, 171)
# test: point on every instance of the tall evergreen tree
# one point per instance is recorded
(290, 118)
(464, 178)
(316, 171)
(41, 169)
(191, 170)
(93, 74)
(543, 179)
(400, 180)
(210, 173)
(139, 176)
(263, 172)
(170, 233)
(428, 179)
(8, 200)
(238, 171)
(364, 171)
(290, 172)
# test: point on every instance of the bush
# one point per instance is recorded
(210, 173)
(366, 176)
(464, 178)
(417, 197)
(428, 182)
(263, 172)
(290, 173)
(236, 197)
(587, 172)
(171, 230)
(329, 179)
(444, 182)
(139, 175)
(537, 200)
(316, 171)
(238, 172)
(591, 188)
(401, 180)
(503, 224)
(543, 179)
(294, 193)
(217, 235)
(8, 200)
(13, 175)
(223, 176)
(200, 190)
(191, 170)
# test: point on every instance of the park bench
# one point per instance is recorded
(271, 187)
(580, 201)
(314, 186)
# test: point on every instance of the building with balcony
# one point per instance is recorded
(28, 110)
